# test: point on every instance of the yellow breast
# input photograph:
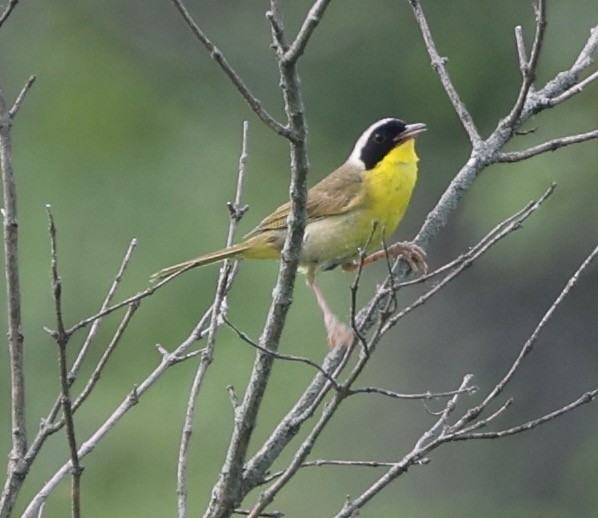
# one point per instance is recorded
(388, 188)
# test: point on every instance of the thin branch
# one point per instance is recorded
(17, 468)
(482, 423)
(439, 65)
(423, 395)
(502, 230)
(551, 145)
(48, 427)
(227, 492)
(218, 315)
(574, 90)
(256, 468)
(527, 347)
(7, 11)
(65, 398)
(582, 400)
(97, 372)
(289, 425)
(167, 361)
(428, 441)
(267, 496)
(355, 288)
(218, 57)
(21, 97)
(279, 356)
(309, 24)
(273, 514)
(109, 296)
(528, 67)
(325, 462)
(127, 302)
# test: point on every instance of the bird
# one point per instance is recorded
(350, 212)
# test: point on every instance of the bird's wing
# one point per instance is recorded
(340, 192)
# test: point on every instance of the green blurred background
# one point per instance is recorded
(132, 131)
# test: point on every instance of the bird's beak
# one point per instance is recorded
(411, 130)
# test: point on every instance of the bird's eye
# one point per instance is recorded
(379, 138)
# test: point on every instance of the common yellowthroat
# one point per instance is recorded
(355, 207)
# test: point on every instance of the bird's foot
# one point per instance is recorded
(339, 334)
(410, 252)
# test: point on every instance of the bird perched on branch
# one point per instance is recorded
(353, 209)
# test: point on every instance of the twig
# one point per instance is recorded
(355, 288)
(127, 302)
(21, 97)
(279, 356)
(7, 11)
(289, 425)
(218, 315)
(273, 514)
(219, 58)
(17, 468)
(424, 395)
(309, 24)
(48, 427)
(109, 296)
(97, 372)
(166, 361)
(528, 66)
(551, 145)
(582, 400)
(325, 462)
(267, 496)
(428, 441)
(256, 467)
(226, 494)
(527, 347)
(574, 90)
(438, 64)
(499, 232)
(62, 340)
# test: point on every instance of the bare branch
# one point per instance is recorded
(48, 427)
(97, 372)
(509, 225)
(21, 97)
(65, 398)
(428, 441)
(109, 296)
(574, 90)
(218, 315)
(16, 468)
(226, 494)
(324, 462)
(528, 67)
(129, 402)
(527, 347)
(7, 11)
(588, 397)
(246, 512)
(551, 145)
(439, 65)
(309, 24)
(219, 58)
(279, 356)
(424, 395)
(267, 496)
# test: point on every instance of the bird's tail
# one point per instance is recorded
(202, 260)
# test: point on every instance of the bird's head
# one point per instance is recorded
(379, 139)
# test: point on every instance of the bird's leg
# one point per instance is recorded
(410, 252)
(339, 334)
